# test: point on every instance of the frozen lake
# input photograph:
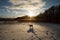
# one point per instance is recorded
(23, 31)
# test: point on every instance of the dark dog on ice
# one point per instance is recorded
(31, 29)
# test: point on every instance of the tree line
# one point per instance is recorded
(50, 15)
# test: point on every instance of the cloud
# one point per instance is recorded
(20, 7)
(26, 4)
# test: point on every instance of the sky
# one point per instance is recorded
(18, 8)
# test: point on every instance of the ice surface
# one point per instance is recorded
(30, 31)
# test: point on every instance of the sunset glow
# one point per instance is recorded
(30, 14)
